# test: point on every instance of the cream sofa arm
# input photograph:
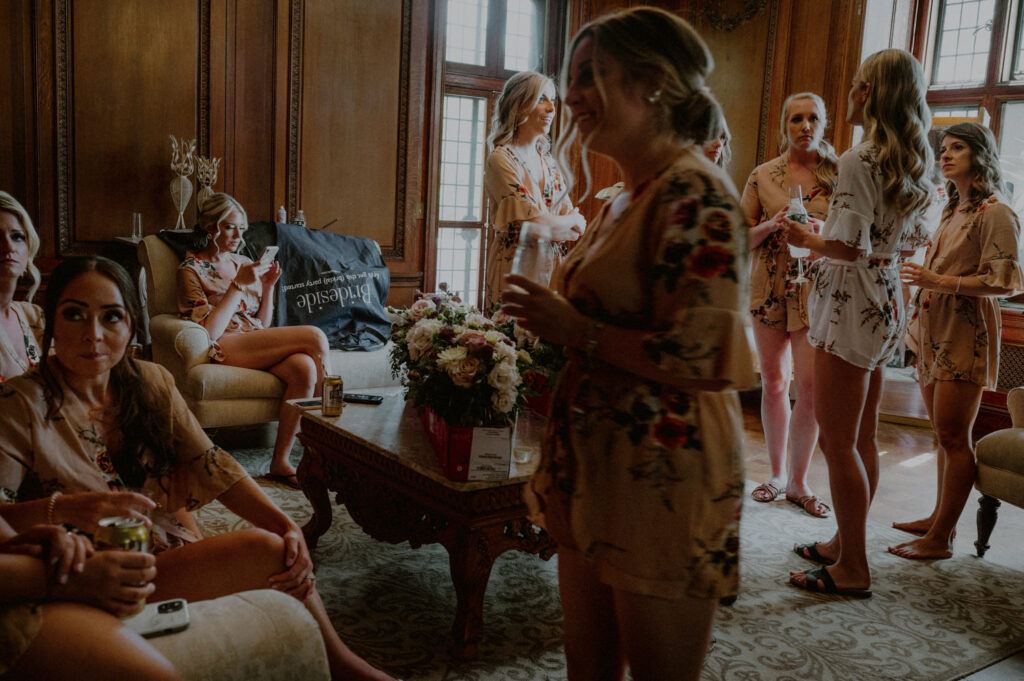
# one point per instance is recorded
(178, 344)
(1015, 405)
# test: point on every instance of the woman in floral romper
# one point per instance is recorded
(856, 307)
(641, 478)
(955, 324)
(522, 180)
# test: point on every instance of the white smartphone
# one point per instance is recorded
(157, 619)
(268, 254)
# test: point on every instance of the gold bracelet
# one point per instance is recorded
(235, 285)
(591, 337)
(51, 508)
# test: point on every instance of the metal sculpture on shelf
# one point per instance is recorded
(206, 177)
(183, 164)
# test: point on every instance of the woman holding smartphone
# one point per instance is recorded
(233, 299)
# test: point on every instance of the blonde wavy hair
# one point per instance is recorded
(896, 121)
(518, 98)
(987, 178)
(827, 170)
(666, 58)
(213, 211)
(10, 204)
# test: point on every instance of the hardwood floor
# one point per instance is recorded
(906, 488)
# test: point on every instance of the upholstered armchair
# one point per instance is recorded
(1000, 469)
(222, 395)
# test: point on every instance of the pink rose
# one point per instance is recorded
(464, 372)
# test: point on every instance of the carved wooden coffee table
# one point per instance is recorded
(381, 465)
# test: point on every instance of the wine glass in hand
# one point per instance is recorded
(534, 258)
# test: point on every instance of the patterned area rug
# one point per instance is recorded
(927, 621)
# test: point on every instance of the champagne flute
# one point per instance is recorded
(797, 213)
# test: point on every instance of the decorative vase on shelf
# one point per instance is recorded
(206, 177)
(183, 164)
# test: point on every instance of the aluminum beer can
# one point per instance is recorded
(333, 396)
(123, 534)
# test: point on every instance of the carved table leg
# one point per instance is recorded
(311, 479)
(471, 555)
(986, 521)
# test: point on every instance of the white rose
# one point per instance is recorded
(477, 320)
(504, 400)
(504, 376)
(451, 356)
(421, 337)
(420, 308)
(505, 352)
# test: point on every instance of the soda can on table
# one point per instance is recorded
(123, 534)
(333, 396)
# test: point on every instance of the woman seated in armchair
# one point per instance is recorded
(233, 298)
(90, 422)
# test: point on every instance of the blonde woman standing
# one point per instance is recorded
(778, 304)
(856, 309)
(640, 479)
(974, 256)
(21, 323)
(522, 180)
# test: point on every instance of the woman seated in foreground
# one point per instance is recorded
(91, 422)
(60, 604)
(20, 322)
(233, 299)
(954, 329)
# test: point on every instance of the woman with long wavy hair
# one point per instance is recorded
(90, 423)
(21, 322)
(856, 308)
(955, 325)
(778, 304)
(522, 181)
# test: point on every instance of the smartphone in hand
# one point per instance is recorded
(268, 255)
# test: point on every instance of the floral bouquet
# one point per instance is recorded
(547, 363)
(457, 362)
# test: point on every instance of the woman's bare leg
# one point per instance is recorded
(924, 524)
(80, 642)
(299, 374)
(839, 410)
(955, 407)
(774, 357)
(593, 651)
(242, 561)
(299, 356)
(803, 427)
(664, 640)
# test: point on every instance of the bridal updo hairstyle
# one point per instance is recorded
(668, 63)
(211, 213)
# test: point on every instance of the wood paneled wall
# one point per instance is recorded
(315, 104)
(312, 104)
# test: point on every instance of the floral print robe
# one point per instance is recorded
(856, 307)
(956, 336)
(30, 319)
(774, 299)
(514, 196)
(39, 456)
(642, 476)
(201, 288)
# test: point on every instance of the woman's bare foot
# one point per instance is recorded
(923, 549)
(918, 527)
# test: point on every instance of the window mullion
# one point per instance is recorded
(496, 38)
(995, 56)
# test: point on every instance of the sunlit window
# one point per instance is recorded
(1011, 152)
(522, 36)
(466, 33)
(462, 158)
(458, 261)
(963, 41)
